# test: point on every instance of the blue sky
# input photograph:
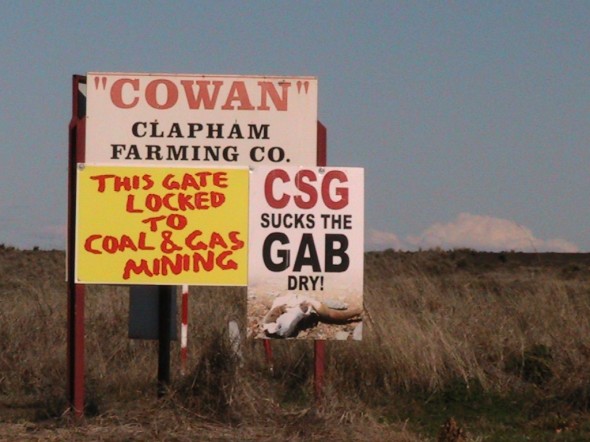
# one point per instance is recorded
(471, 119)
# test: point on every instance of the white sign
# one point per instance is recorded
(306, 252)
(166, 119)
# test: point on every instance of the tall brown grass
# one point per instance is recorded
(432, 320)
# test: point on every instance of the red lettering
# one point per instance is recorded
(109, 244)
(203, 96)
(192, 242)
(151, 94)
(129, 207)
(342, 192)
(184, 202)
(153, 222)
(112, 244)
(220, 179)
(201, 200)
(102, 181)
(163, 93)
(168, 245)
(217, 199)
(142, 242)
(268, 188)
(305, 187)
(88, 244)
(117, 92)
(306, 192)
(177, 222)
(189, 180)
(226, 265)
(195, 181)
(167, 204)
(238, 243)
(126, 243)
(207, 264)
(217, 240)
(239, 93)
(131, 266)
(180, 263)
(153, 202)
(149, 183)
(168, 183)
(267, 88)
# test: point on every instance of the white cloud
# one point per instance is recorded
(379, 240)
(478, 232)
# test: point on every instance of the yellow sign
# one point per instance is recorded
(145, 225)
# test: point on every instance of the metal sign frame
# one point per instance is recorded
(76, 291)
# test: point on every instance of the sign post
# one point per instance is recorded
(166, 292)
(161, 121)
(75, 291)
(320, 344)
(184, 329)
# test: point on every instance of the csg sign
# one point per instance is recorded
(306, 249)
(139, 225)
(173, 119)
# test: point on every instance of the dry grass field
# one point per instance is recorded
(495, 345)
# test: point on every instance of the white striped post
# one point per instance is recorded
(184, 330)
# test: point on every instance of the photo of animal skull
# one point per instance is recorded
(293, 315)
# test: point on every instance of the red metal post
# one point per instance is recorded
(75, 292)
(268, 352)
(320, 345)
(319, 355)
(322, 145)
